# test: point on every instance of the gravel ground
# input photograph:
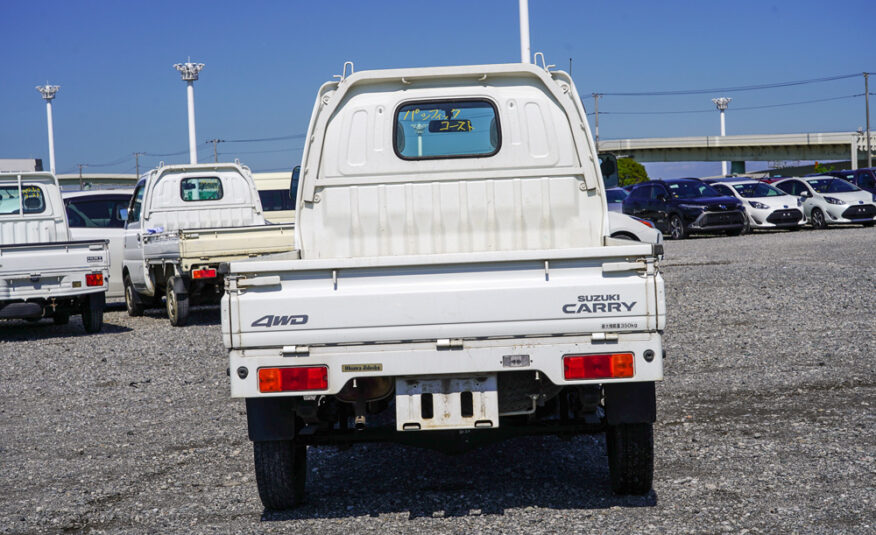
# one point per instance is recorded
(765, 422)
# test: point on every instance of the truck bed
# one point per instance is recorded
(44, 270)
(453, 296)
(211, 246)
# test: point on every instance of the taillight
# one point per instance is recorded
(203, 273)
(293, 379)
(610, 366)
(94, 279)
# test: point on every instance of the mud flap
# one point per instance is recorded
(630, 403)
(270, 418)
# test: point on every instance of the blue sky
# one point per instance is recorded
(265, 61)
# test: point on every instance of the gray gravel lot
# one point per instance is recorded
(765, 422)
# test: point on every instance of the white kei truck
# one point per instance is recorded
(183, 222)
(453, 282)
(43, 273)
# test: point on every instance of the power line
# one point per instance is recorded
(262, 151)
(731, 89)
(674, 112)
(258, 140)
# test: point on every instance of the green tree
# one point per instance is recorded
(630, 172)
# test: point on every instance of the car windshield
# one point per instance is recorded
(832, 185)
(691, 190)
(615, 196)
(757, 190)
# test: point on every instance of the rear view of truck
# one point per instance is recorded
(453, 282)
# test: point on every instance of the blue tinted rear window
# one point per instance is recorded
(447, 129)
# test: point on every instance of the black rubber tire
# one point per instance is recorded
(630, 449)
(61, 318)
(133, 300)
(92, 312)
(817, 219)
(177, 305)
(281, 473)
(677, 230)
(868, 224)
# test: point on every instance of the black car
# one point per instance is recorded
(683, 206)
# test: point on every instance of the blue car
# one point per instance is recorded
(683, 206)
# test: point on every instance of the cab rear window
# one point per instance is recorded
(447, 129)
(30, 201)
(200, 188)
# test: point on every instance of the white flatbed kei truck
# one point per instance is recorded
(185, 220)
(43, 273)
(453, 282)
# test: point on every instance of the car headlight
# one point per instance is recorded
(758, 205)
(696, 207)
(834, 200)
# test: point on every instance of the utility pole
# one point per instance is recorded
(867, 104)
(525, 54)
(81, 165)
(721, 103)
(48, 93)
(596, 115)
(215, 142)
(137, 162)
(189, 72)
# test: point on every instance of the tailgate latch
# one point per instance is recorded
(296, 351)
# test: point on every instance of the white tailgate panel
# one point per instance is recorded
(452, 301)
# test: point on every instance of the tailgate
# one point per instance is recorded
(51, 269)
(530, 293)
(228, 244)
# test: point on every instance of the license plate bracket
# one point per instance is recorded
(431, 403)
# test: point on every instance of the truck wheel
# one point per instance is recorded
(177, 305)
(92, 312)
(281, 470)
(133, 301)
(630, 457)
(676, 228)
(61, 318)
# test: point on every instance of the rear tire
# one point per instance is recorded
(630, 457)
(817, 219)
(177, 305)
(281, 473)
(92, 312)
(133, 300)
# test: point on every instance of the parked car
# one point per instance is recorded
(829, 200)
(101, 214)
(614, 198)
(44, 274)
(765, 206)
(682, 206)
(864, 178)
(183, 222)
(627, 227)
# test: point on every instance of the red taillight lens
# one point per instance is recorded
(611, 366)
(203, 273)
(94, 279)
(293, 379)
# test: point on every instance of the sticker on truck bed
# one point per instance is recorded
(592, 304)
(280, 321)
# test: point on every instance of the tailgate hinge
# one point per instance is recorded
(604, 337)
(296, 351)
(448, 343)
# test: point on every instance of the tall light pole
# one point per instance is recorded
(525, 54)
(867, 105)
(48, 93)
(722, 103)
(189, 72)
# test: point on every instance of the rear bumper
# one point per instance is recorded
(345, 363)
(718, 221)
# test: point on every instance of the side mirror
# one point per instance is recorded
(662, 197)
(805, 193)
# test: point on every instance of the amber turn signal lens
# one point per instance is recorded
(203, 273)
(608, 366)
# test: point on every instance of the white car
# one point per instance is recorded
(101, 214)
(828, 200)
(765, 206)
(627, 227)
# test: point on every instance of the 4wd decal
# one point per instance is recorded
(591, 304)
(279, 321)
